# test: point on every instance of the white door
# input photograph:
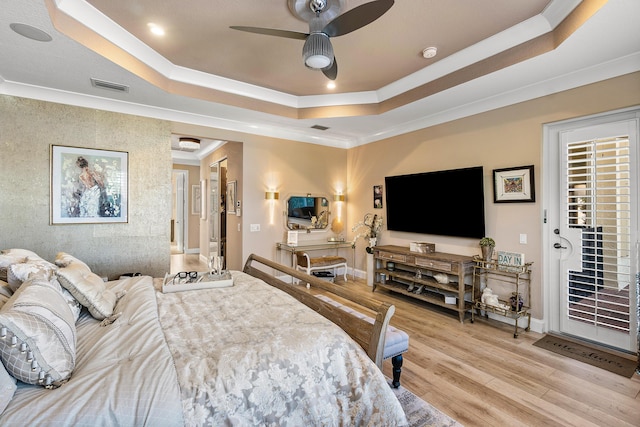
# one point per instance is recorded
(181, 205)
(595, 232)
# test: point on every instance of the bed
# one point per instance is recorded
(260, 352)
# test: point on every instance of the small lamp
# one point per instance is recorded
(339, 198)
(271, 195)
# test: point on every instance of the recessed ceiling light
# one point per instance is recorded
(331, 85)
(156, 29)
(430, 52)
(30, 32)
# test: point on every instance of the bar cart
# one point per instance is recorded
(518, 278)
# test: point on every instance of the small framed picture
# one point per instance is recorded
(514, 185)
(88, 186)
(231, 197)
(377, 196)
(196, 207)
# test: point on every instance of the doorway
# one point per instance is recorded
(217, 224)
(591, 238)
(180, 214)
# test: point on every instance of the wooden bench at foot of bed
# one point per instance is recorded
(396, 342)
(369, 334)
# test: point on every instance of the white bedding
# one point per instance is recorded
(124, 373)
(245, 355)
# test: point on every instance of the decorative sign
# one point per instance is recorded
(510, 261)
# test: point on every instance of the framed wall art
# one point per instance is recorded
(196, 200)
(89, 186)
(514, 185)
(377, 196)
(231, 197)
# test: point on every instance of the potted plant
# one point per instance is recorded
(487, 244)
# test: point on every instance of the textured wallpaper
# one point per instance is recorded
(28, 128)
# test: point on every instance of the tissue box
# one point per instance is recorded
(422, 247)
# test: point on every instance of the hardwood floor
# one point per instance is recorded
(186, 262)
(481, 376)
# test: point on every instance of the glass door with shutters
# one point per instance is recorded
(598, 204)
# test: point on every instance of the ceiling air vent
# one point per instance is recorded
(103, 84)
(319, 127)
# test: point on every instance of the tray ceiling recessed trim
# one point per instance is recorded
(83, 23)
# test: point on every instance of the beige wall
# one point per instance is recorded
(506, 137)
(291, 169)
(285, 166)
(28, 128)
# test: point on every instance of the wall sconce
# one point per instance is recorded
(339, 199)
(272, 196)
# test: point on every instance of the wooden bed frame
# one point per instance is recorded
(370, 336)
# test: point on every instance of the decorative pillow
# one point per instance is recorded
(73, 303)
(38, 334)
(88, 288)
(19, 272)
(7, 388)
(64, 259)
(13, 256)
(5, 292)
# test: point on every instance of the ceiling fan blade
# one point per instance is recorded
(271, 32)
(357, 17)
(332, 71)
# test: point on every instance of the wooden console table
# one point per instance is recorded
(412, 275)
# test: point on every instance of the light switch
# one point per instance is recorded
(523, 239)
(254, 227)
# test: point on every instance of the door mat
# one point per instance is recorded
(593, 356)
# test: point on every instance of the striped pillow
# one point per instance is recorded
(38, 334)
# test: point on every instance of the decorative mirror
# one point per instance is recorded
(307, 212)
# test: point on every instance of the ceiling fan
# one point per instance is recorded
(325, 21)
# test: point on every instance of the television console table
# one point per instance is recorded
(411, 273)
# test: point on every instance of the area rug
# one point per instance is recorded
(595, 357)
(420, 413)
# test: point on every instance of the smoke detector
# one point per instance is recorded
(430, 52)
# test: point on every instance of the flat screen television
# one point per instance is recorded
(446, 203)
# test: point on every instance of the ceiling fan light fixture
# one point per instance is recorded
(317, 51)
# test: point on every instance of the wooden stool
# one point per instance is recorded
(309, 265)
